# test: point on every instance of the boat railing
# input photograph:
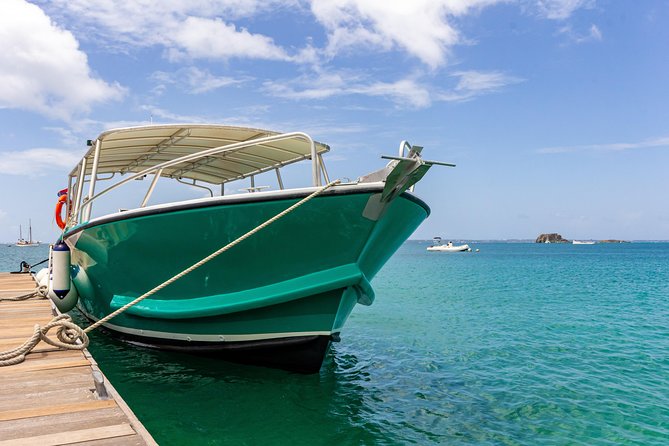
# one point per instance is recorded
(83, 205)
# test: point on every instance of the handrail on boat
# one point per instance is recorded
(83, 206)
(404, 145)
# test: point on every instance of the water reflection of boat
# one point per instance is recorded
(437, 245)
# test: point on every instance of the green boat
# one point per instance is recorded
(277, 298)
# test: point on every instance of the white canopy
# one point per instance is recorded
(135, 149)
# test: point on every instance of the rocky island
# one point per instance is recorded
(557, 238)
(551, 238)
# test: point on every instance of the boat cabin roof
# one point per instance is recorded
(136, 149)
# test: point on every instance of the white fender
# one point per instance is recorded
(67, 302)
(42, 275)
(60, 269)
(62, 291)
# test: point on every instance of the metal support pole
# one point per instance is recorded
(69, 198)
(151, 187)
(278, 178)
(315, 174)
(80, 189)
(91, 187)
(325, 172)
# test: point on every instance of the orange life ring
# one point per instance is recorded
(59, 208)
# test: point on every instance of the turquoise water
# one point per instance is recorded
(519, 344)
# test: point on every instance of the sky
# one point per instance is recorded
(556, 112)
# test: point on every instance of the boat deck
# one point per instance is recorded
(51, 397)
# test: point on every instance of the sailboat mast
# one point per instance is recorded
(30, 229)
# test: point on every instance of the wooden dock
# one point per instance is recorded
(51, 398)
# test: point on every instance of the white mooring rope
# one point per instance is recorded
(40, 292)
(69, 332)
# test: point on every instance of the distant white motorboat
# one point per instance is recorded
(437, 245)
(22, 243)
(583, 242)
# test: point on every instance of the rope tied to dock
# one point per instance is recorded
(40, 291)
(69, 332)
(67, 335)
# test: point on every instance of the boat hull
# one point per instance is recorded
(445, 248)
(286, 290)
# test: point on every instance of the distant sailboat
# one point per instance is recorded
(24, 243)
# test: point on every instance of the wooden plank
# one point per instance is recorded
(39, 317)
(56, 409)
(26, 303)
(30, 304)
(71, 437)
(51, 365)
(29, 385)
(17, 288)
(25, 310)
(51, 424)
(118, 441)
(48, 396)
(9, 344)
(44, 376)
(52, 356)
(16, 279)
(47, 359)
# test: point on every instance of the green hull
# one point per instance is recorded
(295, 280)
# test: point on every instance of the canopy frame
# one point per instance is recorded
(202, 161)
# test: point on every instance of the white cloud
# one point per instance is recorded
(35, 162)
(201, 81)
(405, 92)
(593, 34)
(212, 38)
(480, 81)
(195, 80)
(42, 68)
(612, 147)
(420, 27)
(562, 9)
(324, 85)
(409, 92)
(186, 28)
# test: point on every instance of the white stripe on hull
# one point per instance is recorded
(209, 337)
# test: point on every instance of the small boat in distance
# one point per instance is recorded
(26, 243)
(583, 242)
(437, 245)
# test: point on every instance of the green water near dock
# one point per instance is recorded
(519, 344)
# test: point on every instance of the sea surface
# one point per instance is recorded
(518, 344)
